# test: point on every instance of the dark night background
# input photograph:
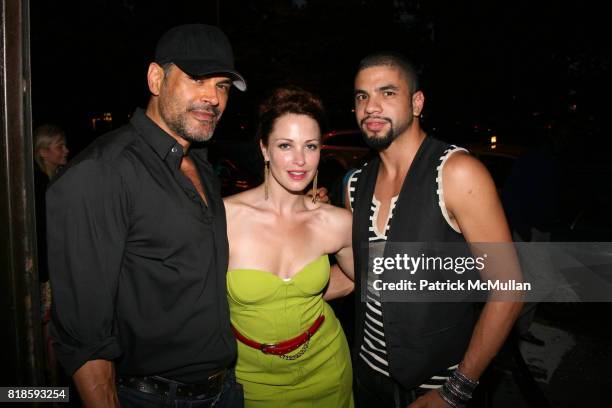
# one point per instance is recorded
(496, 65)
(517, 70)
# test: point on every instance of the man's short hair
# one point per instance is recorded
(395, 60)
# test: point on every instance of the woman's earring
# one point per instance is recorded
(314, 187)
(266, 175)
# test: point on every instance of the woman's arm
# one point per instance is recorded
(342, 275)
(339, 284)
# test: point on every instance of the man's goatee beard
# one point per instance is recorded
(379, 143)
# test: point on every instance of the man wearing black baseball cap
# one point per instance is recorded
(198, 50)
(138, 245)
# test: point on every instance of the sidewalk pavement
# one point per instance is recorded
(573, 367)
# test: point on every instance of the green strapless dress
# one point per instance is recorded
(268, 309)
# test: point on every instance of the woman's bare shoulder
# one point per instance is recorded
(239, 202)
(333, 227)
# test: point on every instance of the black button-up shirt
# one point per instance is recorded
(138, 260)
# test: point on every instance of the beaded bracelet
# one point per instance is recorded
(457, 390)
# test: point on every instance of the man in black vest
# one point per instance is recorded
(418, 189)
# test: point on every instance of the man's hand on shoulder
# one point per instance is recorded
(321, 198)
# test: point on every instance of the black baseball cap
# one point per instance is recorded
(199, 50)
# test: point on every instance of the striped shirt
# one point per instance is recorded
(373, 347)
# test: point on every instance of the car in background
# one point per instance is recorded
(341, 151)
(498, 159)
(344, 147)
(234, 178)
(582, 219)
(237, 163)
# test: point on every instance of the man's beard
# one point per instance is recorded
(178, 123)
(383, 141)
(380, 142)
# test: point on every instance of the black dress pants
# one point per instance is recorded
(373, 389)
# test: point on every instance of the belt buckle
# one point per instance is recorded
(148, 385)
(265, 346)
(216, 380)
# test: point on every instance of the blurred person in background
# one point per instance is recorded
(50, 156)
(50, 151)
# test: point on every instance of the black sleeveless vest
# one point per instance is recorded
(422, 338)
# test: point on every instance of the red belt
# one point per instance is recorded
(282, 347)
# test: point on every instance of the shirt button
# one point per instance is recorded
(175, 149)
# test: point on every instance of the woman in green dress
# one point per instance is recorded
(292, 351)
